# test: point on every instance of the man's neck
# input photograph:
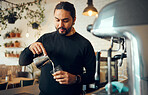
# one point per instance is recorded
(71, 32)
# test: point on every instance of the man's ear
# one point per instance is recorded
(74, 21)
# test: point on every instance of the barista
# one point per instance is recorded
(67, 48)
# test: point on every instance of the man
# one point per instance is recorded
(67, 48)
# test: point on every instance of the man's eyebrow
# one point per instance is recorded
(62, 19)
(56, 18)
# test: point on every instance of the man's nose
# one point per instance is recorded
(61, 24)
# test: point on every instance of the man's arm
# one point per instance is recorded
(28, 53)
(26, 57)
(89, 64)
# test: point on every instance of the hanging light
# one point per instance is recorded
(90, 10)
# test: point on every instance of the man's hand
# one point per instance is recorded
(64, 77)
(37, 48)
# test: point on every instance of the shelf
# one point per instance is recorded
(12, 57)
(13, 38)
(13, 47)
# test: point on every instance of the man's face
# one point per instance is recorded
(63, 21)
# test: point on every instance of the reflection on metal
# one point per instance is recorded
(129, 19)
(109, 67)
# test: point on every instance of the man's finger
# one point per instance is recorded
(58, 73)
(33, 51)
(62, 81)
(43, 49)
(36, 50)
(59, 77)
(39, 48)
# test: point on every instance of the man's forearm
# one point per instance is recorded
(26, 57)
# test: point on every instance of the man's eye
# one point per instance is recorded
(57, 20)
(65, 20)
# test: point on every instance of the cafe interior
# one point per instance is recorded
(117, 30)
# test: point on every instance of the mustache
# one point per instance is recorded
(61, 28)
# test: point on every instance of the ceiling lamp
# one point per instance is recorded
(90, 10)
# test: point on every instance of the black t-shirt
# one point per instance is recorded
(72, 53)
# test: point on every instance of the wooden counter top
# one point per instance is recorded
(15, 80)
(27, 90)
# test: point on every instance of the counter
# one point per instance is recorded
(34, 90)
(102, 90)
(27, 90)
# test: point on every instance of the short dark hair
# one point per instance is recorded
(68, 7)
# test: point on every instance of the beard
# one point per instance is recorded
(66, 30)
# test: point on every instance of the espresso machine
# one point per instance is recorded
(127, 19)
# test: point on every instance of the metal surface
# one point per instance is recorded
(109, 71)
(129, 19)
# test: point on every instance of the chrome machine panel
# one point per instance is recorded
(129, 19)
